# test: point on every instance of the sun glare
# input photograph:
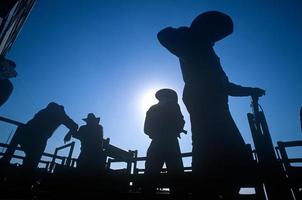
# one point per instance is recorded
(148, 99)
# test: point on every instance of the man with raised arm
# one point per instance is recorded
(33, 136)
(218, 147)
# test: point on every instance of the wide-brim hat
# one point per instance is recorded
(212, 25)
(5, 61)
(91, 118)
(166, 93)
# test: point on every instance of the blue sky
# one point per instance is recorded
(104, 57)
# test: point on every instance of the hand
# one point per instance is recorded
(67, 138)
(257, 92)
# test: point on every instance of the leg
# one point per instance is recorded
(33, 155)
(175, 168)
(204, 185)
(153, 165)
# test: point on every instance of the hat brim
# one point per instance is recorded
(97, 119)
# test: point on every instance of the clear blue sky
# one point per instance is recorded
(104, 57)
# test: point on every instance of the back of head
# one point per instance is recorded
(166, 94)
(212, 25)
(53, 105)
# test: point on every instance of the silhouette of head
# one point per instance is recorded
(7, 68)
(166, 94)
(212, 26)
(6, 88)
(52, 105)
(91, 119)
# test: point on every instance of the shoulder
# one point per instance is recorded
(153, 108)
(82, 128)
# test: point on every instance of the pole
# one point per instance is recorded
(271, 169)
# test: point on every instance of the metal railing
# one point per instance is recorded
(47, 163)
(66, 160)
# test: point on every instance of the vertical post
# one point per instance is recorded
(135, 163)
(52, 164)
(130, 161)
(68, 161)
(272, 173)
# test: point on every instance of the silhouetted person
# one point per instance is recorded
(33, 136)
(7, 70)
(218, 148)
(91, 158)
(163, 124)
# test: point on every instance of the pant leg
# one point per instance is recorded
(203, 186)
(175, 167)
(153, 165)
(33, 155)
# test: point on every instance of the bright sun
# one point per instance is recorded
(148, 99)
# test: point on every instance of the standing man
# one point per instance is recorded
(33, 136)
(91, 159)
(218, 147)
(163, 124)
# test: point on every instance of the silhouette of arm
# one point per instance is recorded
(174, 40)
(181, 121)
(77, 134)
(69, 123)
(147, 124)
(102, 136)
(151, 122)
(238, 90)
(101, 132)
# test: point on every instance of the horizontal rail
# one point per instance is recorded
(44, 154)
(65, 146)
(163, 169)
(294, 160)
(183, 155)
(10, 121)
(22, 157)
(290, 143)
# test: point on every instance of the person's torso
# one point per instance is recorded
(166, 121)
(204, 79)
(44, 123)
(91, 138)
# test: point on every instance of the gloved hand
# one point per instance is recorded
(257, 92)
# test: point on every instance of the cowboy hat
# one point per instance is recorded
(166, 93)
(213, 25)
(91, 117)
